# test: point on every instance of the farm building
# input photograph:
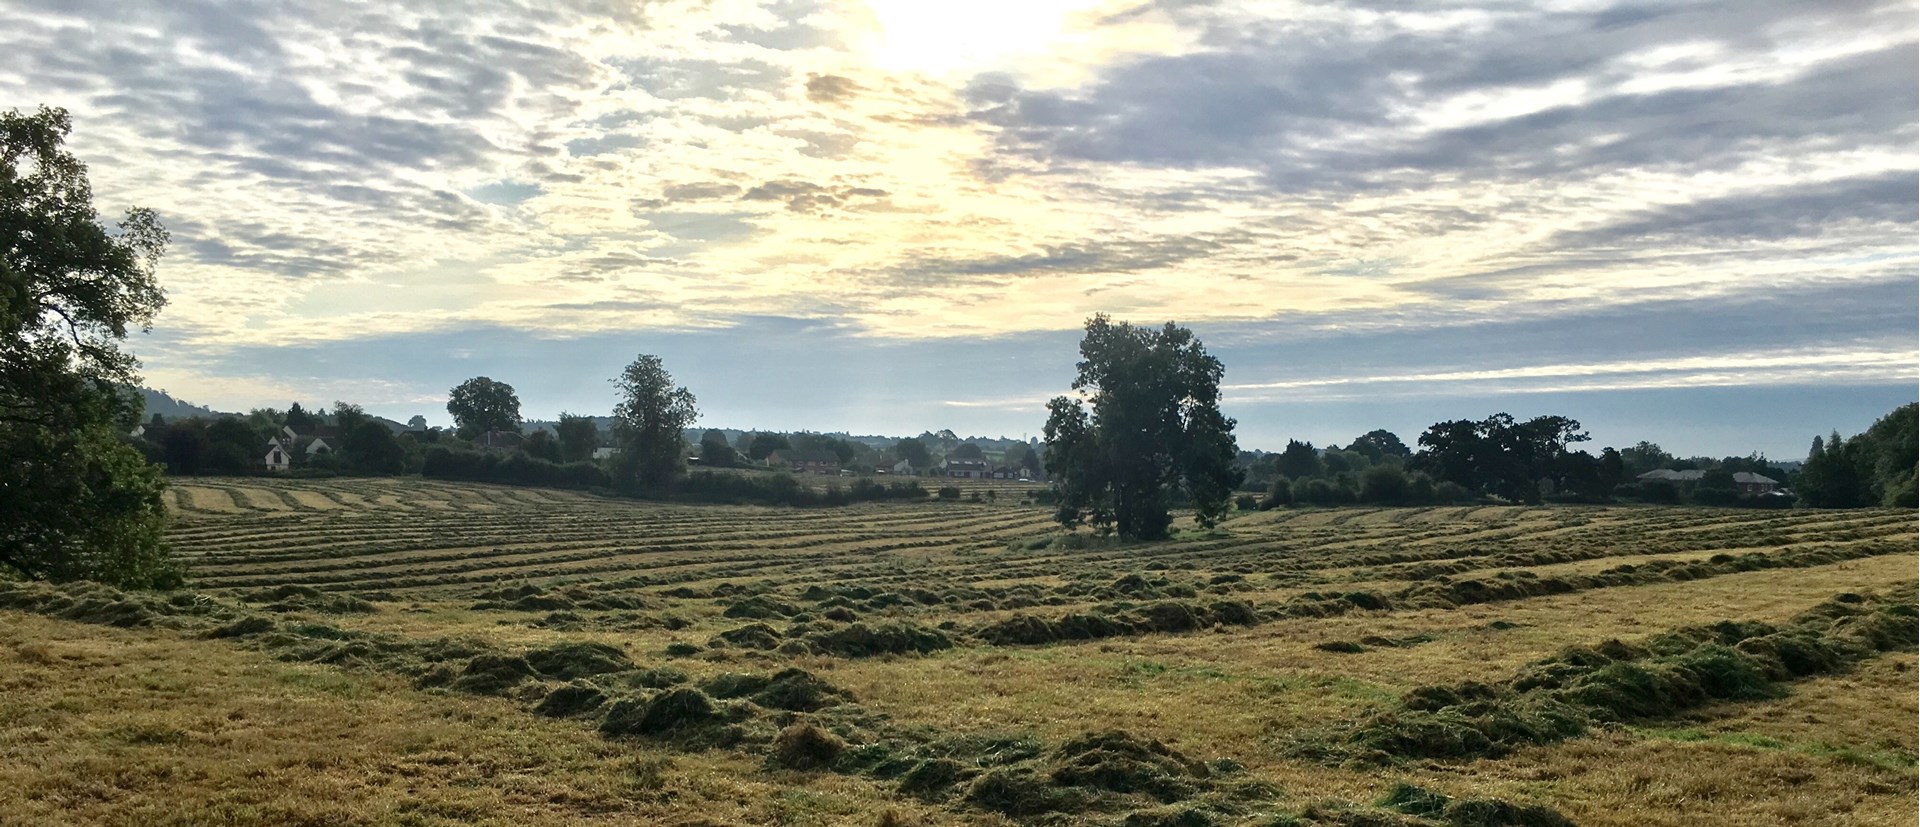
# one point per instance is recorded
(903, 468)
(967, 469)
(1751, 483)
(277, 458)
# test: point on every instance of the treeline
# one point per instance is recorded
(1537, 460)
(356, 443)
(1874, 468)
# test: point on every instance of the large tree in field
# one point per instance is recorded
(1501, 455)
(76, 502)
(479, 405)
(647, 426)
(1154, 434)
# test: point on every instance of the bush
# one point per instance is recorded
(1387, 485)
(443, 462)
(1319, 492)
(949, 493)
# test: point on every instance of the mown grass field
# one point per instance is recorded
(412, 652)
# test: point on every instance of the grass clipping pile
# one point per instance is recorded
(1581, 687)
(801, 723)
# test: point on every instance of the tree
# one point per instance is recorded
(541, 445)
(1154, 435)
(968, 451)
(1378, 443)
(1386, 484)
(299, 420)
(233, 446)
(647, 426)
(1024, 457)
(763, 446)
(1299, 461)
(1645, 456)
(579, 436)
(76, 501)
(369, 448)
(479, 405)
(1501, 455)
(716, 453)
(183, 446)
(348, 416)
(417, 422)
(914, 452)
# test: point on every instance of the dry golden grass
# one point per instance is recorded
(105, 726)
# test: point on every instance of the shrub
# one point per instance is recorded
(949, 493)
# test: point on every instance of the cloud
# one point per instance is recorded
(1364, 188)
(830, 88)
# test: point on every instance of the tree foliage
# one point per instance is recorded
(647, 427)
(763, 446)
(76, 501)
(914, 451)
(1503, 456)
(1875, 468)
(1154, 434)
(1379, 443)
(1299, 461)
(579, 436)
(480, 404)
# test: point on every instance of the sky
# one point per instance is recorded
(1686, 222)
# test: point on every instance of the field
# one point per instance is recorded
(411, 652)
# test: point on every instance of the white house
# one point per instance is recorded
(318, 446)
(903, 468)
(276, 458)
(602, 453)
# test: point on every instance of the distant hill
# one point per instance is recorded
(162, 403)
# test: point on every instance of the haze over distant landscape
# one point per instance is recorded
(1686, 223)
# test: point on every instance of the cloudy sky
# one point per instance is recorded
(1693, 222)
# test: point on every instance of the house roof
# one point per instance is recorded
(1673, 476)
(966, 463)
(1750, 478)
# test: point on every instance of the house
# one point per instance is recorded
(903, 468)
(969, 469)
(277, 458)
(1006, 472)
(1751, 483)
(602, 453)
(317, 447)
(817, 462)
